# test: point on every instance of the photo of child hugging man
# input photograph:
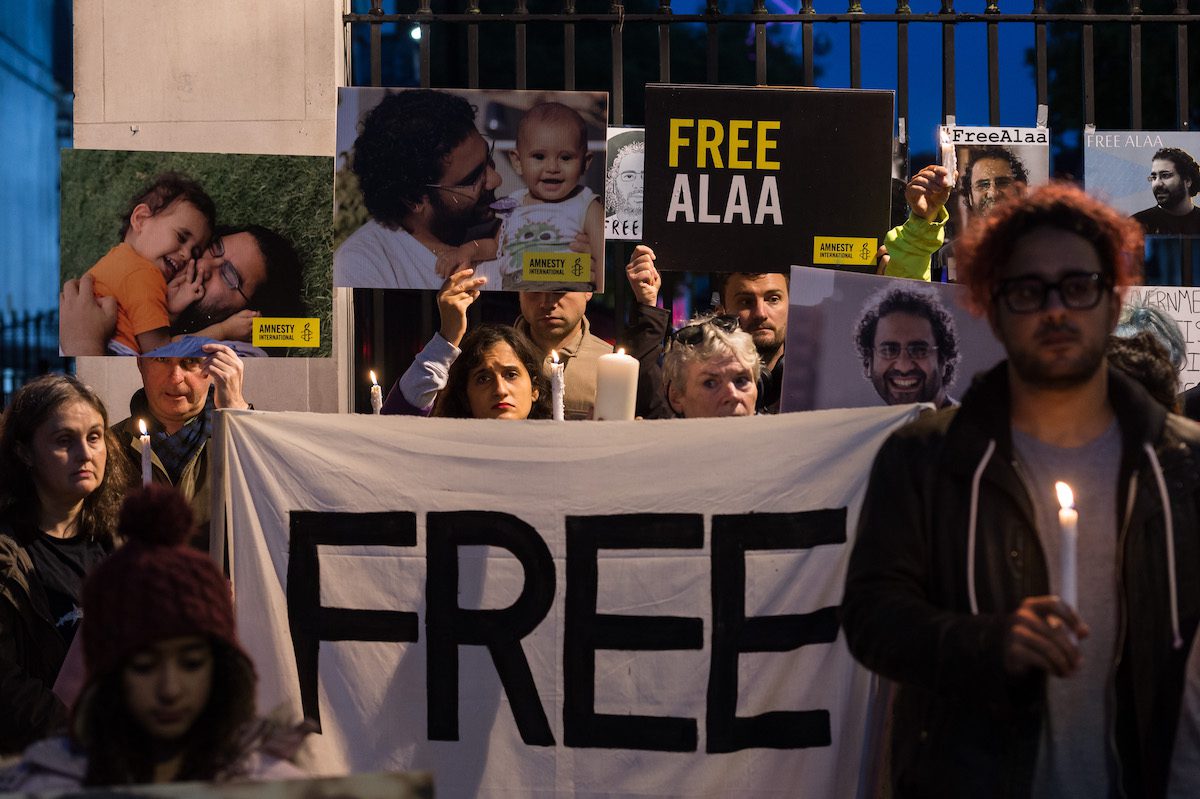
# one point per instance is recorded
(167, 225)
(550, 157)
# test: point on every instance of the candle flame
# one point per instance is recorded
(142, 426)
(554, 356)
(1065, 498)
(374, 382)
(620, 350)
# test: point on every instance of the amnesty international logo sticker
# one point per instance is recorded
(559, 267)
(279, 331)
(846, 250)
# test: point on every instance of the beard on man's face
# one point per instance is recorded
(198, 316)
(455, 217)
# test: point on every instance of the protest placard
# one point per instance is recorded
(761, 179)
(1150, 175)
(510, 183)
(861, 340)
(213, 246)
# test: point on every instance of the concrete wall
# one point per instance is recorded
(238, 76)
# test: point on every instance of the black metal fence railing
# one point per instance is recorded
(1114, 64)
(28, 348)
(1052, 20)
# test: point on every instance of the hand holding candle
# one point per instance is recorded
(147, 454)
(1068, 522)
(949, 156)
(556, 385)
(616, 386)
(376, 395)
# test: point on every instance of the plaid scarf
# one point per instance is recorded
(176, 451)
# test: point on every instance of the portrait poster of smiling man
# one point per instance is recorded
(161, 253)
(431, 182)
(1150, 175)
(858, 341)
(795, 176)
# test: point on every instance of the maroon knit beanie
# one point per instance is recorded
(154, 588)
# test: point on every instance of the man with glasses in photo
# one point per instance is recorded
(1034, 653)
(994, 174)
(908, 345)
(428, 179)
(245, 272)
(1174, 180)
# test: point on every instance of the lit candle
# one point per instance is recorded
(949, 157)
(616, 386)
(1068, 522)
(376, 395)
(146, 453)
(556, 385)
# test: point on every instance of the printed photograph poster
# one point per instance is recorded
(994, 164)
(624, 182)
(794, 176)
(857, 341)
(508, 183)
(1150, 175)
(197, 247)
(1183, 306)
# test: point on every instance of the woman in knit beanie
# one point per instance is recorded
(169, 695)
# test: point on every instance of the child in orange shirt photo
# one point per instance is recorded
(167, 224)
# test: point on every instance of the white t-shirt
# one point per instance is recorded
(374, 257)
(377, 258)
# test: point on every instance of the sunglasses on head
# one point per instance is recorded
(692, 335)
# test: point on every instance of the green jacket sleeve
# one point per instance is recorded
(910, 245)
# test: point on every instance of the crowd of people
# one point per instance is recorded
(1002, 684)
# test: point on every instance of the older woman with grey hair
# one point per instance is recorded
(711, 368)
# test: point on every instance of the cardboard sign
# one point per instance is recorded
(735, 171)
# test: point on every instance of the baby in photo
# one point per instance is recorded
(551, 157)
(168, 223)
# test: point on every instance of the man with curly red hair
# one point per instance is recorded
(1031, 662)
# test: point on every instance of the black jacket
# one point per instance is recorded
(31, 653)
(962, 726)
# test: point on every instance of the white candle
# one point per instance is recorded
(1068, 522)
(616, 386)
(556, 385)
(376, 395)
(949, 157)
(146, 453)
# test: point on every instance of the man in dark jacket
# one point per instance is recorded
(177, 400)
(1011, 682)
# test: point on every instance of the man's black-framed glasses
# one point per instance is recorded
(1079, 291)
(229, 272)
(472, 183)
(692, 335)
(917, 350)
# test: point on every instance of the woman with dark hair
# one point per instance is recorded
(169, 694)
(496, 376)
(62, 478)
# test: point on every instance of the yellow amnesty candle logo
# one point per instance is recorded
(279, 331)
(844, 250)
(559, 267)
